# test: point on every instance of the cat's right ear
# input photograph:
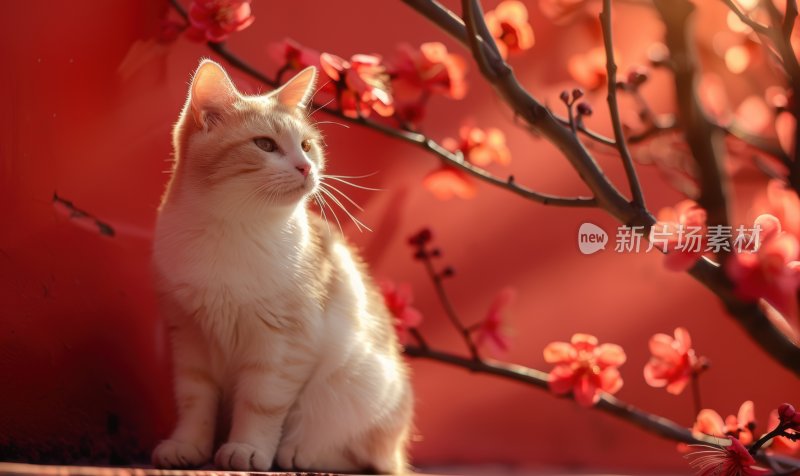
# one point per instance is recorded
(211, 94)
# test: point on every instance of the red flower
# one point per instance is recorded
(447, 182)
(782, 202)
(398, 299)
(430, 68)
(508, 23)
(589, 69)
(214, 20)
(362, 84)
(491, 329)
(291, 54)
(562, 11)
(772, 272)
(680, 232)
(673, 362)
(781, 444)
(739, 426)
(480, 147)
(732, 460)
(584, 368)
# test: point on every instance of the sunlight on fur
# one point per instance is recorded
(276, 326)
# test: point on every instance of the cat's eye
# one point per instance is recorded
(306, 145)
(266, 144)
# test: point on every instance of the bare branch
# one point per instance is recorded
(703, 137)
(745, 18)
(454, 159)
(478, 35)
(613, 107)
(537, 115)
(749, 316)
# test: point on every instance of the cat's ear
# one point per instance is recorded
(212, 94)
(297, 92)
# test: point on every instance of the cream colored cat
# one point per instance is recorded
(278, 333)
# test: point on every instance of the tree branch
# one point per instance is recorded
(749, 316)
(454, 159)
(703, 137)
(535, 113)
(649, 422)
(613, 107)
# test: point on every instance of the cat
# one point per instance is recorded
(280, 339)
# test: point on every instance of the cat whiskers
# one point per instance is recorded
(359, 225)
(333, 212)
(343, 179)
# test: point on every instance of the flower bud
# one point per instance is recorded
(786, 412)
(421, 237)
(564, 96)
(637, 76)
(577, 93)
(584, 109)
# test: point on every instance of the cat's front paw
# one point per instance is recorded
(179, 454)
(242, 457)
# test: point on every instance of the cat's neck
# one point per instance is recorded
(233, 214)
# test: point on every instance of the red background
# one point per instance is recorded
(81, 348)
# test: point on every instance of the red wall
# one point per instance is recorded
(81, 350)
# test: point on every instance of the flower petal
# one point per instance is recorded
(559, 353)
(585, 392)
(676, 386)
(585, 341)
(561, 380)
(611, 380)
(683, 339)
(610, 355)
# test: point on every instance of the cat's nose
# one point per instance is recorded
(303, 169)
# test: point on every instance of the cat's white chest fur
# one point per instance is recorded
(231, 273)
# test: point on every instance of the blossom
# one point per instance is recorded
(781, 444)
(215, 20)
(509, 25)
(447, 182)
(739, 426)
(584, 368)
(772, 272)
(480, 147)
(490, 330)
(362, 84)
(430, 68)
(562, 11)
(398, 299)
(589, 68)
(293, 55)
(783, 203)
(731, 460)
(673, 362)
(680, 234)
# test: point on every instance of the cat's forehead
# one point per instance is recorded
(265, 113)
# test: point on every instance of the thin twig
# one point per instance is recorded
(613, 107)
(746, 19)
(649, 422)
(698, 402)
(747, 314)
(449, 310)
(454, 159)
